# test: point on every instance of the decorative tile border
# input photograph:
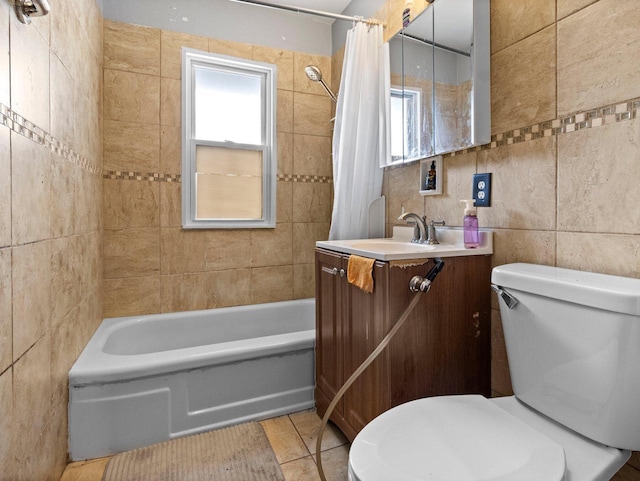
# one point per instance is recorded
(313, 179)
(156, 177)
(150, 176)
(609, 114)
(606, 115)
(22, 126)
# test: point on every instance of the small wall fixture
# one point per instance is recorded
(25, 9)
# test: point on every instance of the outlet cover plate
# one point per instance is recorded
(482, 189)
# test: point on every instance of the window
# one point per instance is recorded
(229, 163)
(405, 126)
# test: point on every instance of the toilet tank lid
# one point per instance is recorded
(602, 291)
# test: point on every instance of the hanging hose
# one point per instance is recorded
(418, 285)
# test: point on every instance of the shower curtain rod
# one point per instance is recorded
(435, 45)
(371, 21)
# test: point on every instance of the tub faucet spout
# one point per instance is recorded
(420, 229)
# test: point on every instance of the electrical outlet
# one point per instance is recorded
(482, 189)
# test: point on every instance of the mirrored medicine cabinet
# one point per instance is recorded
(440, 81)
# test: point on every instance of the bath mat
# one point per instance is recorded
(236, 453)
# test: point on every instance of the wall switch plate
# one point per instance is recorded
(482, 189)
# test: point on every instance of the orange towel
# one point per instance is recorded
(360, 272)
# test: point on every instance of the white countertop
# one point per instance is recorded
(399, 246)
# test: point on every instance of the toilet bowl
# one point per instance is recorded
(573, 343)
(471, 438)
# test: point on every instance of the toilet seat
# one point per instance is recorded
(453, 438)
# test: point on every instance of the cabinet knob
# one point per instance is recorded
(334, 271)
(342, 273)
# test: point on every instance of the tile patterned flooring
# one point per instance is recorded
(293, 439)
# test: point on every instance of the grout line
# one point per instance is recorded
(298, 459)
(299, 434)
(557, 176)
(525, 38)
(557, 231)
(574, 12)
(557, 190)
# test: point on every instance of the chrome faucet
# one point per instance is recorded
(420, 229)
(431, 231)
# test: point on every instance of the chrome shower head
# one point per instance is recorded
(315, 75)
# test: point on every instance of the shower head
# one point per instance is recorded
(315, 75)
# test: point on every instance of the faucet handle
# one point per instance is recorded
(431, 231)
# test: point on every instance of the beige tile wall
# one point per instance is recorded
(567, 196)
(52, 207)
(150, 263)
(50, 226)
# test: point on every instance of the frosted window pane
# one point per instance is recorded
(223, 197)
(228, 183)
(228, 106)
(220, 160)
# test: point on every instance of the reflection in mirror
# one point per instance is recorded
(444, 57)
(412, 95)
(453, 79)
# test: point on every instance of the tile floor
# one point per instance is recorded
(293, 439)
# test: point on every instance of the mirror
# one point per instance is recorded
(440, 90)
(411, 102)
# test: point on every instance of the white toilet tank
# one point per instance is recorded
(573, 343)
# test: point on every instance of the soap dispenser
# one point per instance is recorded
(471, 237)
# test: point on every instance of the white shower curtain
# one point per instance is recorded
(360, 139)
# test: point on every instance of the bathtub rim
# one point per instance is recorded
(96, 367)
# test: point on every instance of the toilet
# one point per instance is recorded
(573, 344)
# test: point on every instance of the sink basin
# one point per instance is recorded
(399, 246)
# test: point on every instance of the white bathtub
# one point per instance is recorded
(146, 379)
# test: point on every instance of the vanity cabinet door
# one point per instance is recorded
(349, 325)
(444, 346)
(329, 306)
(365, 325)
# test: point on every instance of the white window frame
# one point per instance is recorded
(411, 120)
(190, 59)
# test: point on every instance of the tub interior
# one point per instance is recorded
(162, 333)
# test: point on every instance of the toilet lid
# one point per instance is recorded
(453, 438)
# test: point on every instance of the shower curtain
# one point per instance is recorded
(360, 139)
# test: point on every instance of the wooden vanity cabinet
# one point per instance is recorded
(443, 348)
